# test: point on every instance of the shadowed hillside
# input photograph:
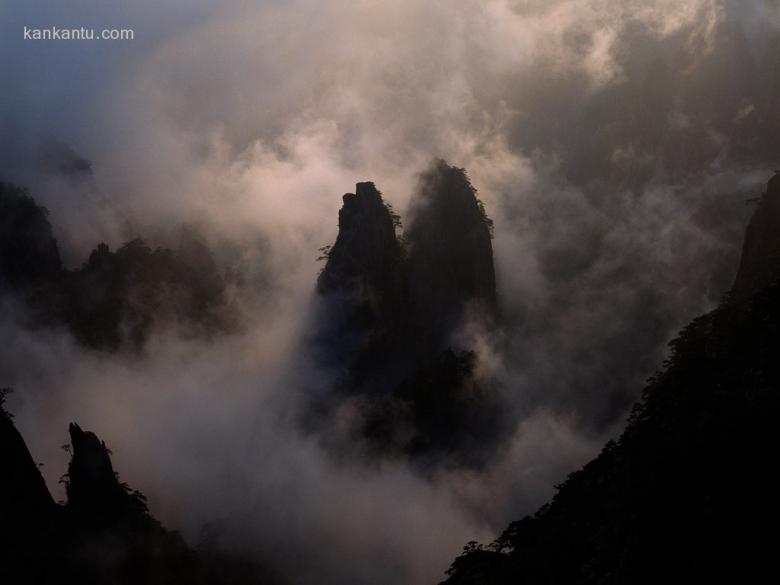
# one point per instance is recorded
(689, 492)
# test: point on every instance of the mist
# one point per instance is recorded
(613, 143)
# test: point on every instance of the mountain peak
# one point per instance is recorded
(93, 489)
(366, 260)
(450, 249)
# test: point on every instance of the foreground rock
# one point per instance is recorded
(104, 534)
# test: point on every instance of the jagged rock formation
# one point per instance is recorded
(450, 251)
(366, 261)
(689, 492)
(365, 278)
(103, 535)
(390, 317)
(760, 263)
(94, 493)
(116, 298)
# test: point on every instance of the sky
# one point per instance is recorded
(614, 144)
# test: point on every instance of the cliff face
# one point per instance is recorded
(689, 491)
(760, 263)
(447, 272)
(450, 250)
(365, 265)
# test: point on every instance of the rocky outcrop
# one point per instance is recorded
(390, 312)
(367, 315)
(365, 265)
(760, 263)
(95, 495)
(446, 275)
(450, 251)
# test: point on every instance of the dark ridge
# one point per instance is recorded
(689, 492)
(103, 535)
(116, 299)
(121, 297)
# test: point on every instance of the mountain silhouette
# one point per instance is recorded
(392, 308)
(115, 299)
(450, 255)
(103, 533)
(688, 493)
(369, 312)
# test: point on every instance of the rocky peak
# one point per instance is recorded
(366, 262)
(760, 263)
(367, 253)
(450, 249)
(94, 492)
(391, 313)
